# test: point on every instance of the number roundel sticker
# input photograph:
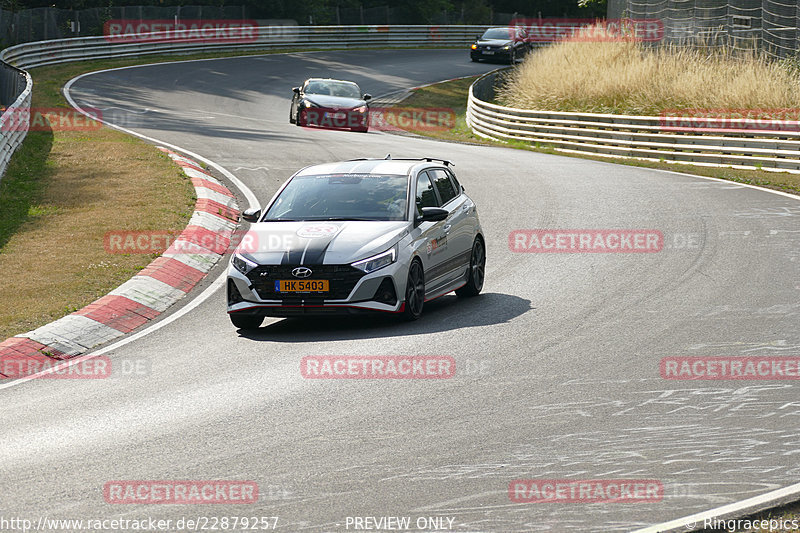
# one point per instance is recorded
(317, 231)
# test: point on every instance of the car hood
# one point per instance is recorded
(337, 102)
(319, 242)
(494, 42)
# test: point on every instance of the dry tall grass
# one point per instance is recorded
(627, 77)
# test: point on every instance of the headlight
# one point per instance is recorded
(474, 46)
(308, 103)
(507, 47)
(241, 264)
(362, 109)
(371, 264)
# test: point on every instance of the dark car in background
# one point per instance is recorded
(505, 44)
(330, 104)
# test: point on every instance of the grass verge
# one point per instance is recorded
(63, 190)
(627, 77)
(453, 95)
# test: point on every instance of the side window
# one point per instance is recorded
(455, 181)
(426, 197)
(444, 185)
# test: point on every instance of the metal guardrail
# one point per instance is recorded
(16, 87)
(40, 53)
(633, 137)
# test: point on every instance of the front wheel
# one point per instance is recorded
(415, 292)
(247, 321)
(477, 271)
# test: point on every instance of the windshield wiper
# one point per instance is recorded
(342, 219)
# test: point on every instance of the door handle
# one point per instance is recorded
(447, 228)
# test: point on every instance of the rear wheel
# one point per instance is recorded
(246, 321)
(477, 271)
(415, 292)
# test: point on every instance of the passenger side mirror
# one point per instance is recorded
(433, 214)
(252, 214)
(296, 90)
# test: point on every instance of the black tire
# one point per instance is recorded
(475, 59)
(477, 270)
(291, 117)
(513, 59)
(415, 292)
(246, 321)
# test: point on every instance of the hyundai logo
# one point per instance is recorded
(301, 272)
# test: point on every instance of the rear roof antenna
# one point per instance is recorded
(388, 157)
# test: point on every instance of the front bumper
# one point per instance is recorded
(334, 118)
(497, 54)
(378, 291)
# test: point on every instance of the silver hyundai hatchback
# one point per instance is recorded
(365, 235)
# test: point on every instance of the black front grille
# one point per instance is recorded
(342, 278)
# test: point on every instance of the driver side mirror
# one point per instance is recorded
(252, 214)
(367, 96)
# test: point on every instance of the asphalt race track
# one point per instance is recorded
(557, 361)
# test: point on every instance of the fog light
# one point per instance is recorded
(386, 293)
(234, 297)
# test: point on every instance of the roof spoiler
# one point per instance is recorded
(390, 158)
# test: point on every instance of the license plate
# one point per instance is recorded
(488, 53)
(302, 285)
(337, 116)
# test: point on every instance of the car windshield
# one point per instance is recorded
(497, 33)
(333, 88)
(341, 197)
